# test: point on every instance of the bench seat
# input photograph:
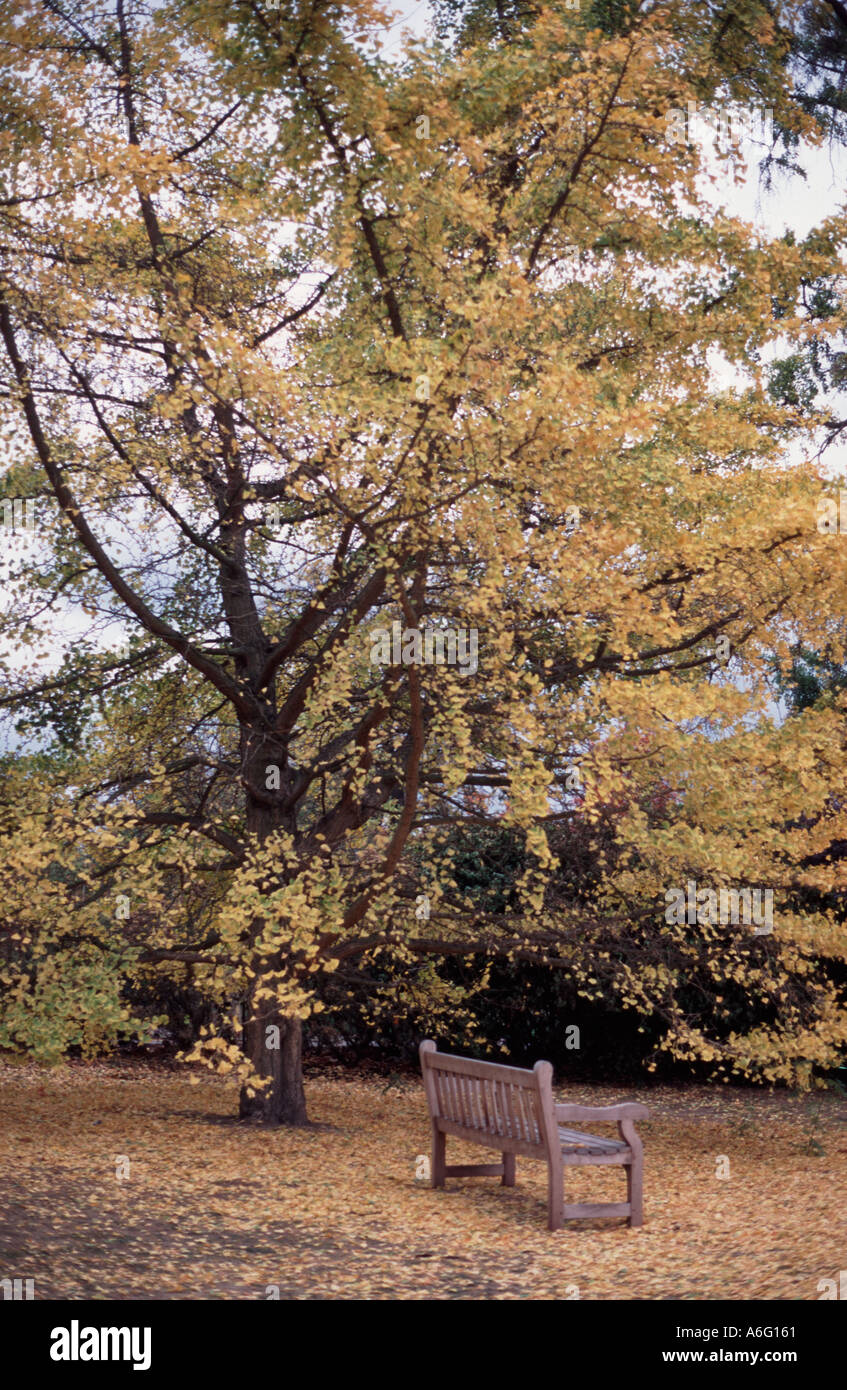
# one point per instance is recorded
(576, 1141)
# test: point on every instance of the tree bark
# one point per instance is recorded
(273, 1040)
(276, 1055)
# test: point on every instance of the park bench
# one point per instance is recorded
(513, 1110)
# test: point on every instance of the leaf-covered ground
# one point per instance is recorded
(215, 1209)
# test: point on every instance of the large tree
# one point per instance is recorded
(300, 344)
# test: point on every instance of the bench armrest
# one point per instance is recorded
(602, 1114)
(623, 1115)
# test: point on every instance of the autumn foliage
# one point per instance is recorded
(299, 343)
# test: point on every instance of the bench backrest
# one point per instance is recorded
(470, 1099)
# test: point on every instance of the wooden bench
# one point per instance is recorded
(513, 1110)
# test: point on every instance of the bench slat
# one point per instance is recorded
(512, 1112)
(573, 1158)
(465, 1090)
(533, 1116)
(469, 1087)
(593, 1143)
(517, 1076)
(597, 1209)
(504, 1142)
(458, 1107)
(522, 1106)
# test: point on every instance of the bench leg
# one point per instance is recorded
(439, 1157)
(634, 1183)
(509, 1170)
(555, 1198)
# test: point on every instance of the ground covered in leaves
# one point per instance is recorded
(212, 1208)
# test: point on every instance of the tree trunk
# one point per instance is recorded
(274, 1045)
(273, 1041)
